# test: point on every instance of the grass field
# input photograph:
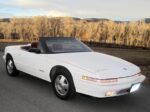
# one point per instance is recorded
(138, 57)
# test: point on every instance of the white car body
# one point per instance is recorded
(82, 65)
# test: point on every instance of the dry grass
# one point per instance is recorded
(127, 33)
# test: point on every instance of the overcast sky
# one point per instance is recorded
(111, 9)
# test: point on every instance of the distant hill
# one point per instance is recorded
(121, 21)
(96, 19)
(75, 18)
(5, 20)
(147, 20)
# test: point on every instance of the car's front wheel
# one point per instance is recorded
(10, 67)
(63, 85)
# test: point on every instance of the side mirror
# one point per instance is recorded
(35, 50)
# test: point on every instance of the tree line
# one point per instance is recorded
(104, 31)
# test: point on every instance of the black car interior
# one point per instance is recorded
(56, 45)
(31, 47)
(37, 47)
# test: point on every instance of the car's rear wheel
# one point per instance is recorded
(63, 85)
(10, 67)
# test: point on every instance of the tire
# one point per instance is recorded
(10, 67)
(63, 84)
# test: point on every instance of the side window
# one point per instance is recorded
(40, 47)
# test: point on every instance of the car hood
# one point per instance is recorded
(103, 65)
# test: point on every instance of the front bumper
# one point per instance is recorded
(101, 91)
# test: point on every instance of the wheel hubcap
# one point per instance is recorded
(61, 85)
(10, 66)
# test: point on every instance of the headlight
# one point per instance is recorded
(113, 80)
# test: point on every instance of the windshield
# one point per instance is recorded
(66, 45)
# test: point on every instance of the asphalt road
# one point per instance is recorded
(29, 94)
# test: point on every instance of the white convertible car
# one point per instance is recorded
(72, 67)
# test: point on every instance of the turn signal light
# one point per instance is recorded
(99, 80)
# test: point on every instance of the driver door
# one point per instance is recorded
(34, 64)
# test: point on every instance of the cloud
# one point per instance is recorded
(37, 4)
(31, 4)
(86, 12)
(54, 13)
(111, 9)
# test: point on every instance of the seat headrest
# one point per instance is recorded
(34, 45)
